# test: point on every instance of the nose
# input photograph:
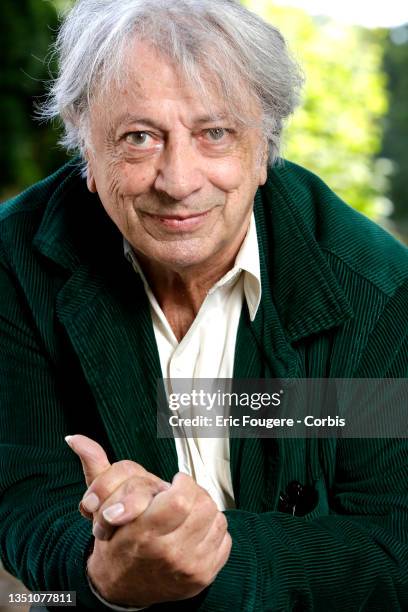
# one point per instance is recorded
(179, 173)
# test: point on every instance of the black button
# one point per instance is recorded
(298, 499)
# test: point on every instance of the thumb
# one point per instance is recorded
(93, 457)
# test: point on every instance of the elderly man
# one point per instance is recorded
(178, 245)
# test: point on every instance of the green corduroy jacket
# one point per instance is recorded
(78, 355)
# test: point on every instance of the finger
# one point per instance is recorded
(93, 457)
(125, 504)
(223, 553)
(121, 508)
(85, 513)
(212, 540)
(203, 529)
(201, 521)
(116, 476)
(170, 508)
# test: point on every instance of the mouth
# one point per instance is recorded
(179, 222)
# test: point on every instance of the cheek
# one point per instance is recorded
(138, 176)
(236, 173)
(226, 174)
(130, 180)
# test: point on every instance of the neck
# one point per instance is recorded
(181, 292)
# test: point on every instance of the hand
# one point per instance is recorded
(116, 493)
(171, 551)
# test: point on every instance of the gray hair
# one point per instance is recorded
(220, 38)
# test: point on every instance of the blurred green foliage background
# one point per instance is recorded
(352, 128)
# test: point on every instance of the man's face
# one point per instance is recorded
(178, 183)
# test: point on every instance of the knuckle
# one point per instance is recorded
(128, 487)
(206, 579)
(221, 522)
(185, 479)
(207, 506)
(201, 492)
(179, 504)
(227, 546)
(106, 483)
(126, 466)
(148, 482)
(188, 573)
(201, 577)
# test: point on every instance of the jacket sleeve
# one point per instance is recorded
(43, 539)
(355, 558)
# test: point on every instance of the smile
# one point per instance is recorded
(179, 222)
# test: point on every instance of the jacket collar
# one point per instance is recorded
(74, 228)
(102, 307)
(295, 273)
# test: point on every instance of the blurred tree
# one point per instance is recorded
(27, 150)
(395, 142)
(62, 5)
(337, 131)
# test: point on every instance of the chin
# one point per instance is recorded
(180, 263)
(180, 255)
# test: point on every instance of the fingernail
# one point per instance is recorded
(91, 502)
(99, 532)
(68, 440)
(112, 512)
(165, 485)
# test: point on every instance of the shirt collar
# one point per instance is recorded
(247, 261)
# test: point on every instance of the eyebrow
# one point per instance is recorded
(202, 119)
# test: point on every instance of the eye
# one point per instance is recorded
(139, 139)
(216, 134)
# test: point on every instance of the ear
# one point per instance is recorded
(90, 178)
(263, 164)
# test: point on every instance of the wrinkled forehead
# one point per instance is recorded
(145, 75)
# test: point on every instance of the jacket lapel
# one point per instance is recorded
(105, 313)
(300, 297)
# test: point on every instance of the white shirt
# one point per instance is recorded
(207, 351)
